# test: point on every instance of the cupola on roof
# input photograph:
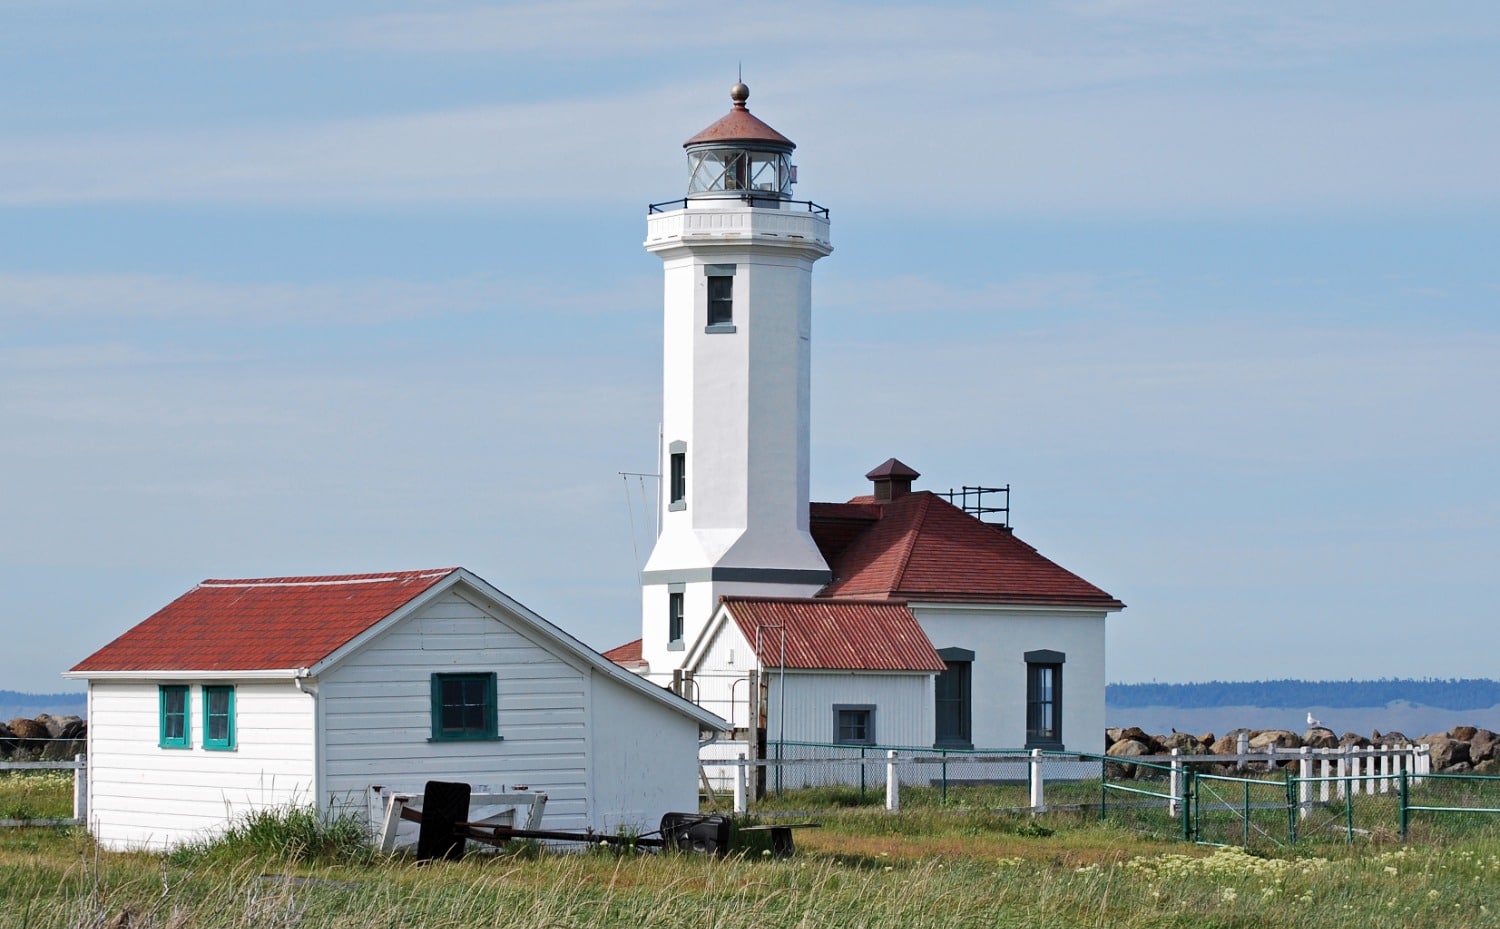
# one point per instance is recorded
(739, 126)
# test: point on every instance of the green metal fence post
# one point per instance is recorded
(1405, 805)
(1103, 788)
(1189, 793)
(1245, 841)
(861, 775)
(1292, 790)
(944, 756)
(1197, 813)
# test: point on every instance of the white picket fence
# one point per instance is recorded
(1338, 772)
(79, 766)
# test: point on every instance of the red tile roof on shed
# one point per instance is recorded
(627, 656)
(834, 635)
(261, 624)
(921, 547)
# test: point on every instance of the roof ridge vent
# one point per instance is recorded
(892, 480)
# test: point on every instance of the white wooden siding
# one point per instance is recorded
(1000, 639)
(644, 760)
(377, 712)
(904, 713)
(721, 675)
(144, 796)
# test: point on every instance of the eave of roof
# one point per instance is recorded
(923, 548)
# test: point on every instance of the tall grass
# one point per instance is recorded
(36, 794)
(283, 835)
(863, 867)
(1227, 888)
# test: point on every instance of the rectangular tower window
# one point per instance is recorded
(720, 297)
(1044, 699)
(674, 617)
(677, 476)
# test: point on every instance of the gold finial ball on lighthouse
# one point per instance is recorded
(739, 93)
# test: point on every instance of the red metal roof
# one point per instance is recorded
(834, 635)
(260, 624)
(740, 126)
(627, 656)
(921, 547)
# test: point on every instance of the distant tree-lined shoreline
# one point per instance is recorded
(1450, 694)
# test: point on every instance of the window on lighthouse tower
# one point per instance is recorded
(674, 617)
(677, 476)
(720, 298)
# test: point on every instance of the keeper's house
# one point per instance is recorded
(247, 694)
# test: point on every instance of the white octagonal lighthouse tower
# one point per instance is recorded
(738, 253)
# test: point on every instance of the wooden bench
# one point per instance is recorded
(782, 845)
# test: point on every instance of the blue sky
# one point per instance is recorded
(341, 287)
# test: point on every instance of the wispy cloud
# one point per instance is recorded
(962, 109)
(358, 302)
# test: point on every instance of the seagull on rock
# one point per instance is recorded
(1312, 722)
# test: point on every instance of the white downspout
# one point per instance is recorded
(311, 691)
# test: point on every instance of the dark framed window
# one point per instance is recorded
(176, 721)
(218, 717)
(720, 301)
(953, 692)
(854, 724)
(1044, 679)
(674, 616)
(464, 707)
(720, 297)
(677, 476)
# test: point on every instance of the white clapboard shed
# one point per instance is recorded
(337, 691)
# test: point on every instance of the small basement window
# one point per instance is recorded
(175, 727)
(464, 707)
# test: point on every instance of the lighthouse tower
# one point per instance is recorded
(738, 255)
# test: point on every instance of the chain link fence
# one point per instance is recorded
(32, 748)
(812, 776)
(1445, 805)
(1141, 797)
(1184, 801)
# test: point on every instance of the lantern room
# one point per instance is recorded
(740, 156)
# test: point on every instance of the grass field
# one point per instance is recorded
(863, 867)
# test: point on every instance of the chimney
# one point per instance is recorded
(892, 479)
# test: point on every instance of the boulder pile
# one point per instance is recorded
(1460, 749)
(45, 738)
